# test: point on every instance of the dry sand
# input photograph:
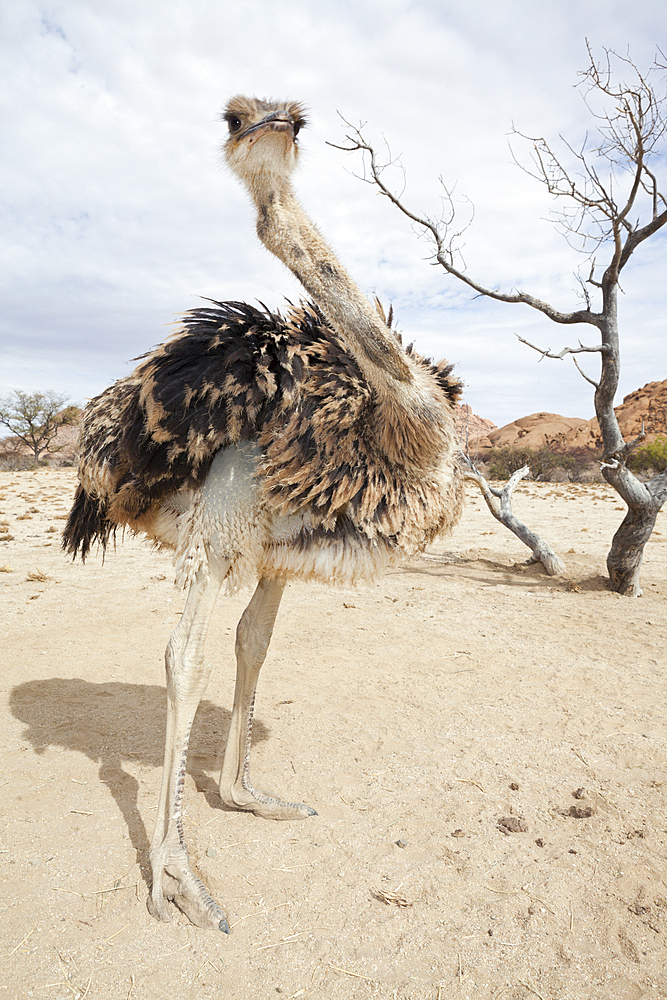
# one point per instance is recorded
(485, 747)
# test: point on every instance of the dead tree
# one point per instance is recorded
(613, 204)
(499, 502)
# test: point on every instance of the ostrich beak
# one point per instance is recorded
(277, 121)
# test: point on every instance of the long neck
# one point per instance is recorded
(285, 230)
(409, 421)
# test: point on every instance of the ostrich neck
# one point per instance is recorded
(285, 230)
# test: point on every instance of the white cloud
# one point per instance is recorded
(117, 214)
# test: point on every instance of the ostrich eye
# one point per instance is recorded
(233, 123)
(299, 123)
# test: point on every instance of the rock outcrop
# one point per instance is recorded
(472, 427)
(647, 405)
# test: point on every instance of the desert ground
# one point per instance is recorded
(484, 746)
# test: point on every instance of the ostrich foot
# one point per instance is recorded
(174, 881)
(243, 796)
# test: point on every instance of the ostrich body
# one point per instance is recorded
(262, 447)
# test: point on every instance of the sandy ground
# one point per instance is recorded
(485, 748)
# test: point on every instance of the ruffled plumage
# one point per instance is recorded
(235, 372)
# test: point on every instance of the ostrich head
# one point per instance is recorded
(262, 137)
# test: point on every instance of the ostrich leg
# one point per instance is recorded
(253, 635)
(187, 676)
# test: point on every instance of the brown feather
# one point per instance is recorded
(234, 372)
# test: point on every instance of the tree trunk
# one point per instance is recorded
(644, 502)
(627, 550)
(643, 499)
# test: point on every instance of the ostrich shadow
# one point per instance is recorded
(114, 722)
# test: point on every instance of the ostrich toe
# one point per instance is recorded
(178, 884)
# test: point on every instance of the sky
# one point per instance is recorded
(117, 213)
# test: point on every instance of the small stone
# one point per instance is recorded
(514, 786)
(579, 793)
(581, 812)
(512, 824)
(401, 843)
(458, 833)
(539, 842)
(211, 852)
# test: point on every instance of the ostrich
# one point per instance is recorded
(263, 447)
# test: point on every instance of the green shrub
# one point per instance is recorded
(505, 461)
(651, 457)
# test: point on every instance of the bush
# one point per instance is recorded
(505, 461)
(541, 461)
(650, 458)
(17, 463)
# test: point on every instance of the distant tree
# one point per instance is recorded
(613, 205)
(34, 418)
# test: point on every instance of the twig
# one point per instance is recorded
(176, 950)
(504, 892)
(538, 900)
(106, 940)
(470, 781)
(22, 942)
(199, 971)
(532, 989)
(582, 759)
(260, 913)
(285, 940)
(114, 888)
(308, 864)
(346, 972)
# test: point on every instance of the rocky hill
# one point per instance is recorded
(472, 427)
(647, 405)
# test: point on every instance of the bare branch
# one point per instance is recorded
(630, 445)
(445, 241)
(600, 349)
(583, 374)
